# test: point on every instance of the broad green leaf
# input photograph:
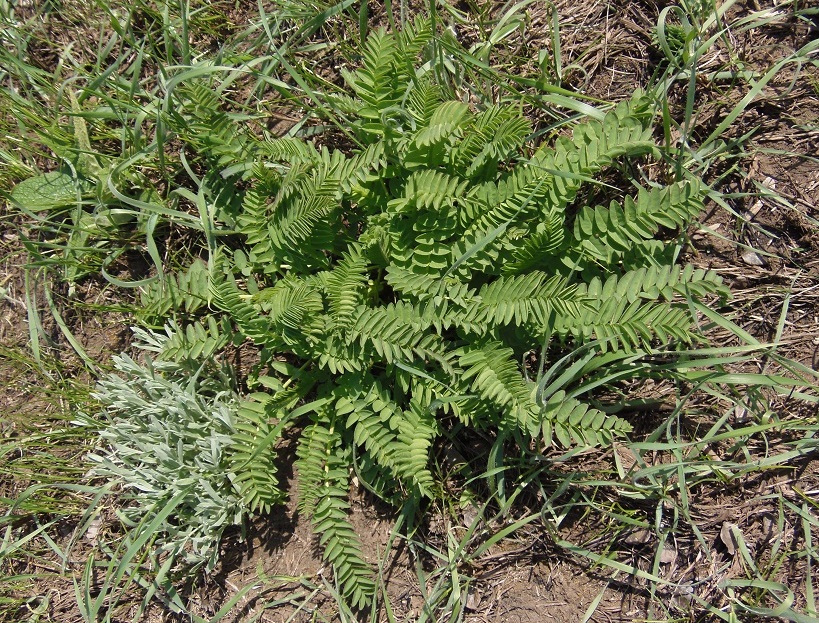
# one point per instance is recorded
(50, 190)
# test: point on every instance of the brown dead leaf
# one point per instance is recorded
(93, 532)
(726, 535)
(625, 457)
(473, 600)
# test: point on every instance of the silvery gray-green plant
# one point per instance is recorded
(173, 428)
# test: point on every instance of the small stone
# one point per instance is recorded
(754, 209)
(668, 556)
(752, 259)
(638, 537)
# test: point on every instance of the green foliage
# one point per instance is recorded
(396, 290)
(443, 275)
(176, 430)
(185, 292)
(406, 281)
(200, 121)
(49, 190)
(323, 477)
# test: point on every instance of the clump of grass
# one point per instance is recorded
(43, 484)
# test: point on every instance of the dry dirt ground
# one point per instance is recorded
(528, 578)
